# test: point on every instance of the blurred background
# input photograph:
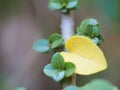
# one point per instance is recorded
(22, 22)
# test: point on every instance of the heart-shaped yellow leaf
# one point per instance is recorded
(85, 54)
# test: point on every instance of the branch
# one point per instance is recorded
(67, 26)
(67, 29)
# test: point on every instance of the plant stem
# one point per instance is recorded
(71, 81)
(67, 29)
(67, 26)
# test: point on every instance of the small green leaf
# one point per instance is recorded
(69, 69)
(71, 88)
(54, 37)
(41, 42)
(58, 75)
(20, 88)
(64, 10)
(55, 5)
(58, 61)
(92, 21)
(95, 40)
(42, 49)
(49, 70)
(99, 84)
(89, 30)
(57, 43)
(89, 27)
(82, 27)
(41, 46)
(96, 30)
(72, 4)
(101, 39)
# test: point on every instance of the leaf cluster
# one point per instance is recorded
(91, 28)
(54, 43)
(58, 69)
(64, 5)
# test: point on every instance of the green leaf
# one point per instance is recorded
(57, 43)
(49, 70)
(69, 69)
(101, 39)
(41, 42)
(89, 27)
(96, 40)
(55, 5)
(54, 37)
(71, 88)
(58, 75)
(20, 88)
(89, 30)
(96, 27)
(64, 10)
(42, 49)
(92, 21)
(41, 46)
(96, 30)
(58, 61)
(99, 84)
(72, 4)
(82, 27)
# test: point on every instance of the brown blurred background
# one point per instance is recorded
(22, 22)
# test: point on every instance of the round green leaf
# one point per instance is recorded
(71, 88)
(42, 49)
(41, 42)
(101, 39)
(58, 75)
(96, 30)
(89, 27)
(89, 30)
(64, 10)
(99, 84)
(95, 40)
(20, 88)
(95, 27)
(57, 43)
(92, 21)
(54, 37)
(49, 70)
(55, 5)
(82, 27)
(69, 69)
(72, 4)
(58, 61)
(41, 46)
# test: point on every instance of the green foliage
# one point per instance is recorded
(91, 28)
(58, 69)
(69, 69)
(72, 88)
(54, 43)
(98, 84)
(58, 75)
(54, 37)
(20, 88)
(41, 45)
(57, 43)
(49, 70)
(63, 5)
(58, 61)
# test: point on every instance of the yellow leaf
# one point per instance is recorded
(85, 54)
